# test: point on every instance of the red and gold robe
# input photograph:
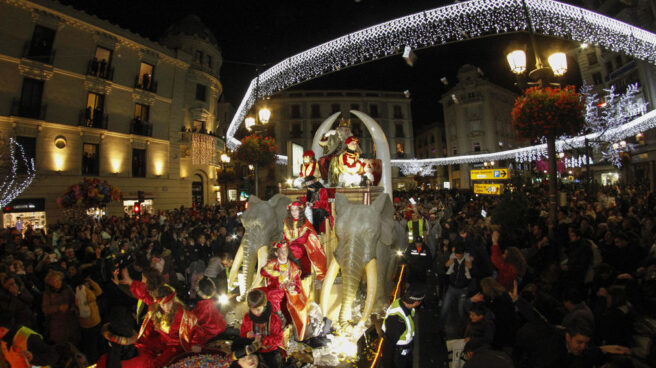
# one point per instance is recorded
(305, 246)
(163, 340)
(275, 275)
(309, 169)
(349, 163)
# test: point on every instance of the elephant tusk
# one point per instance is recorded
(262, 259)
(234, 271)
(328, 282)
(371, 270)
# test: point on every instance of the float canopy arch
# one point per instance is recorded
(452, 23)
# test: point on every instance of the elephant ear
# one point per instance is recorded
(341, 202)
(279, 204)
(383, 206)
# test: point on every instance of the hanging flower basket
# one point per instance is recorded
(89, 193)
(548, 112)
(257, 150)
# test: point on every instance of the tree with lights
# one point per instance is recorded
(17, 169)
(603, 115)
(549, 112)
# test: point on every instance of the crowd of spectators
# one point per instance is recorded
(63, 281)
(527, 292)
(579, 292)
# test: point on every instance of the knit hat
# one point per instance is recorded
(459, 249)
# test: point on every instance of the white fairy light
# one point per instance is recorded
(14, 183)
(457, 22)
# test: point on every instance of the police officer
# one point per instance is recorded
(416, 227)
(399, 328)
(419, 260)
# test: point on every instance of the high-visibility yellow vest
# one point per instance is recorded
(420, 224)
(396, 310)
(14, 353)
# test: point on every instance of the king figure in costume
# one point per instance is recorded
(309, 167)
(283, 284)
(304, 243)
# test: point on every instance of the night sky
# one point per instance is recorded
(265, 32)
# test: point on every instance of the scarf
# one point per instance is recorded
(262, 319)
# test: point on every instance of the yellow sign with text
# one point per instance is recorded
(492, 189)
(490, 174)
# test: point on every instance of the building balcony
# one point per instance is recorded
(33, 111)
(93, 119)
(145, 83)
(33, 52)
(140, 127)
(100, 69)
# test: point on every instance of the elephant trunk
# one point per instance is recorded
(351, 275)
(249, 263)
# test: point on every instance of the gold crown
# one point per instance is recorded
(343, 123)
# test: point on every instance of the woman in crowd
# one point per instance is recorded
(59, 307)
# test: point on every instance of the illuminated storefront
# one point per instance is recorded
(31, 211)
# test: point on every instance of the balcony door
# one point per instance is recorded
(197, 191)
(30, 103)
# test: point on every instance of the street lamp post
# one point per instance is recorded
(225, 161)
(541, 77)
(258, 125)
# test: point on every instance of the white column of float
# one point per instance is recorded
(382, 148)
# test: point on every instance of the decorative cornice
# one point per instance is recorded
(53, 18)
(98, 85)
(28, 124)
(143, 97)
(35, 69)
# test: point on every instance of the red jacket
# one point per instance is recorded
(140, 361)
(209, 319)
(271, 341)
(507, 272)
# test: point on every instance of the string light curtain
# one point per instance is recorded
(203, 149)
(451, 23)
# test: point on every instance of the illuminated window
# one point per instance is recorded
(400, 148)
(145, 78)
(93, 113)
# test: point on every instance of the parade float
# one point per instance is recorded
(358, 246)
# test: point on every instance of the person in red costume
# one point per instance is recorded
(208, 314)
(283, 284)
(169, 327)
(303, 241)
(264, 327)
(121, 338)
(309, 167)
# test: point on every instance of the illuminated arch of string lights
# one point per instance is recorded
(452, 23)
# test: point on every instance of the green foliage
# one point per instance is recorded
(257, 150)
